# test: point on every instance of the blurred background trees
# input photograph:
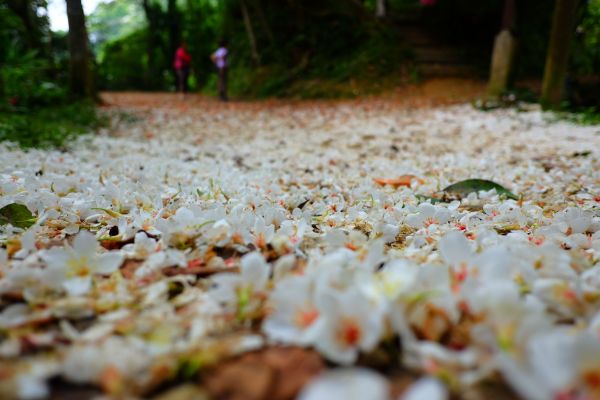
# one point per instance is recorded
(298, 48)
(39, 104)
(31, 56)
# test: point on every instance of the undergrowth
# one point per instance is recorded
(370, 68)
(581, 116)
(52, 126)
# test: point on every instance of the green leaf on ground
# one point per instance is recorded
(17, 215)
(465, 187)
(424, 199)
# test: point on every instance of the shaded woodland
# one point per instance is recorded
(305, 49)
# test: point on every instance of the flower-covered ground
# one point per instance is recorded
(275, 251)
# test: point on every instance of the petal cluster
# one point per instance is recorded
(229, 232)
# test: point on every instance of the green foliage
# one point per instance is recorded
(298, 57)
(316, 48)
(200, 29)
(114, 20)
(366, 69)
(467, 186)
(48, 126)
(11, 32)
(35, 109)
(313, 48)
(586, 49)
(17, 215)
(309, 48)
(27, 82)
(119, 38)
(582, 116)
(533, 29)
(24, 71)
(355, 54)
(142, 58)
(124, 64)
(32, 60)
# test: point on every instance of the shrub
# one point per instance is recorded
(48, 126)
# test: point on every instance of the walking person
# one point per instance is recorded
(182, 68)
(219, 58)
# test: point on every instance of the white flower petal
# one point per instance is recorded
(255, 270)
(347, 384)
(108, 263)
(77, 286)
(426, 388)
(85, 243)
(454, 248)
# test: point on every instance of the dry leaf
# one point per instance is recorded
(128, 268)
(275, 373)
(402, 180)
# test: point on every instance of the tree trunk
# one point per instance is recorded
(197, 49)
(154, 43)
(174, 31)
(381, 8)
(80, 73)
(509, 15)
(250, 32)
(557, 58)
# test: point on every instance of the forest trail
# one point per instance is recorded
(433, 117)
(433, 92)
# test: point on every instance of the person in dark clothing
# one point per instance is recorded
(182, 68)
(219, 58)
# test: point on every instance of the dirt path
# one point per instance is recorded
(432, 118)
(434, 92)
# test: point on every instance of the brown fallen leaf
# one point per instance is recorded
(402, 180)
(275, 373)
(111, 381)
(400, 381)
(109, 244)
(12, 297)
(200, 271)
(242, 381)
(128, 268)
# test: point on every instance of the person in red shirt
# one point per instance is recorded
(182, 67)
